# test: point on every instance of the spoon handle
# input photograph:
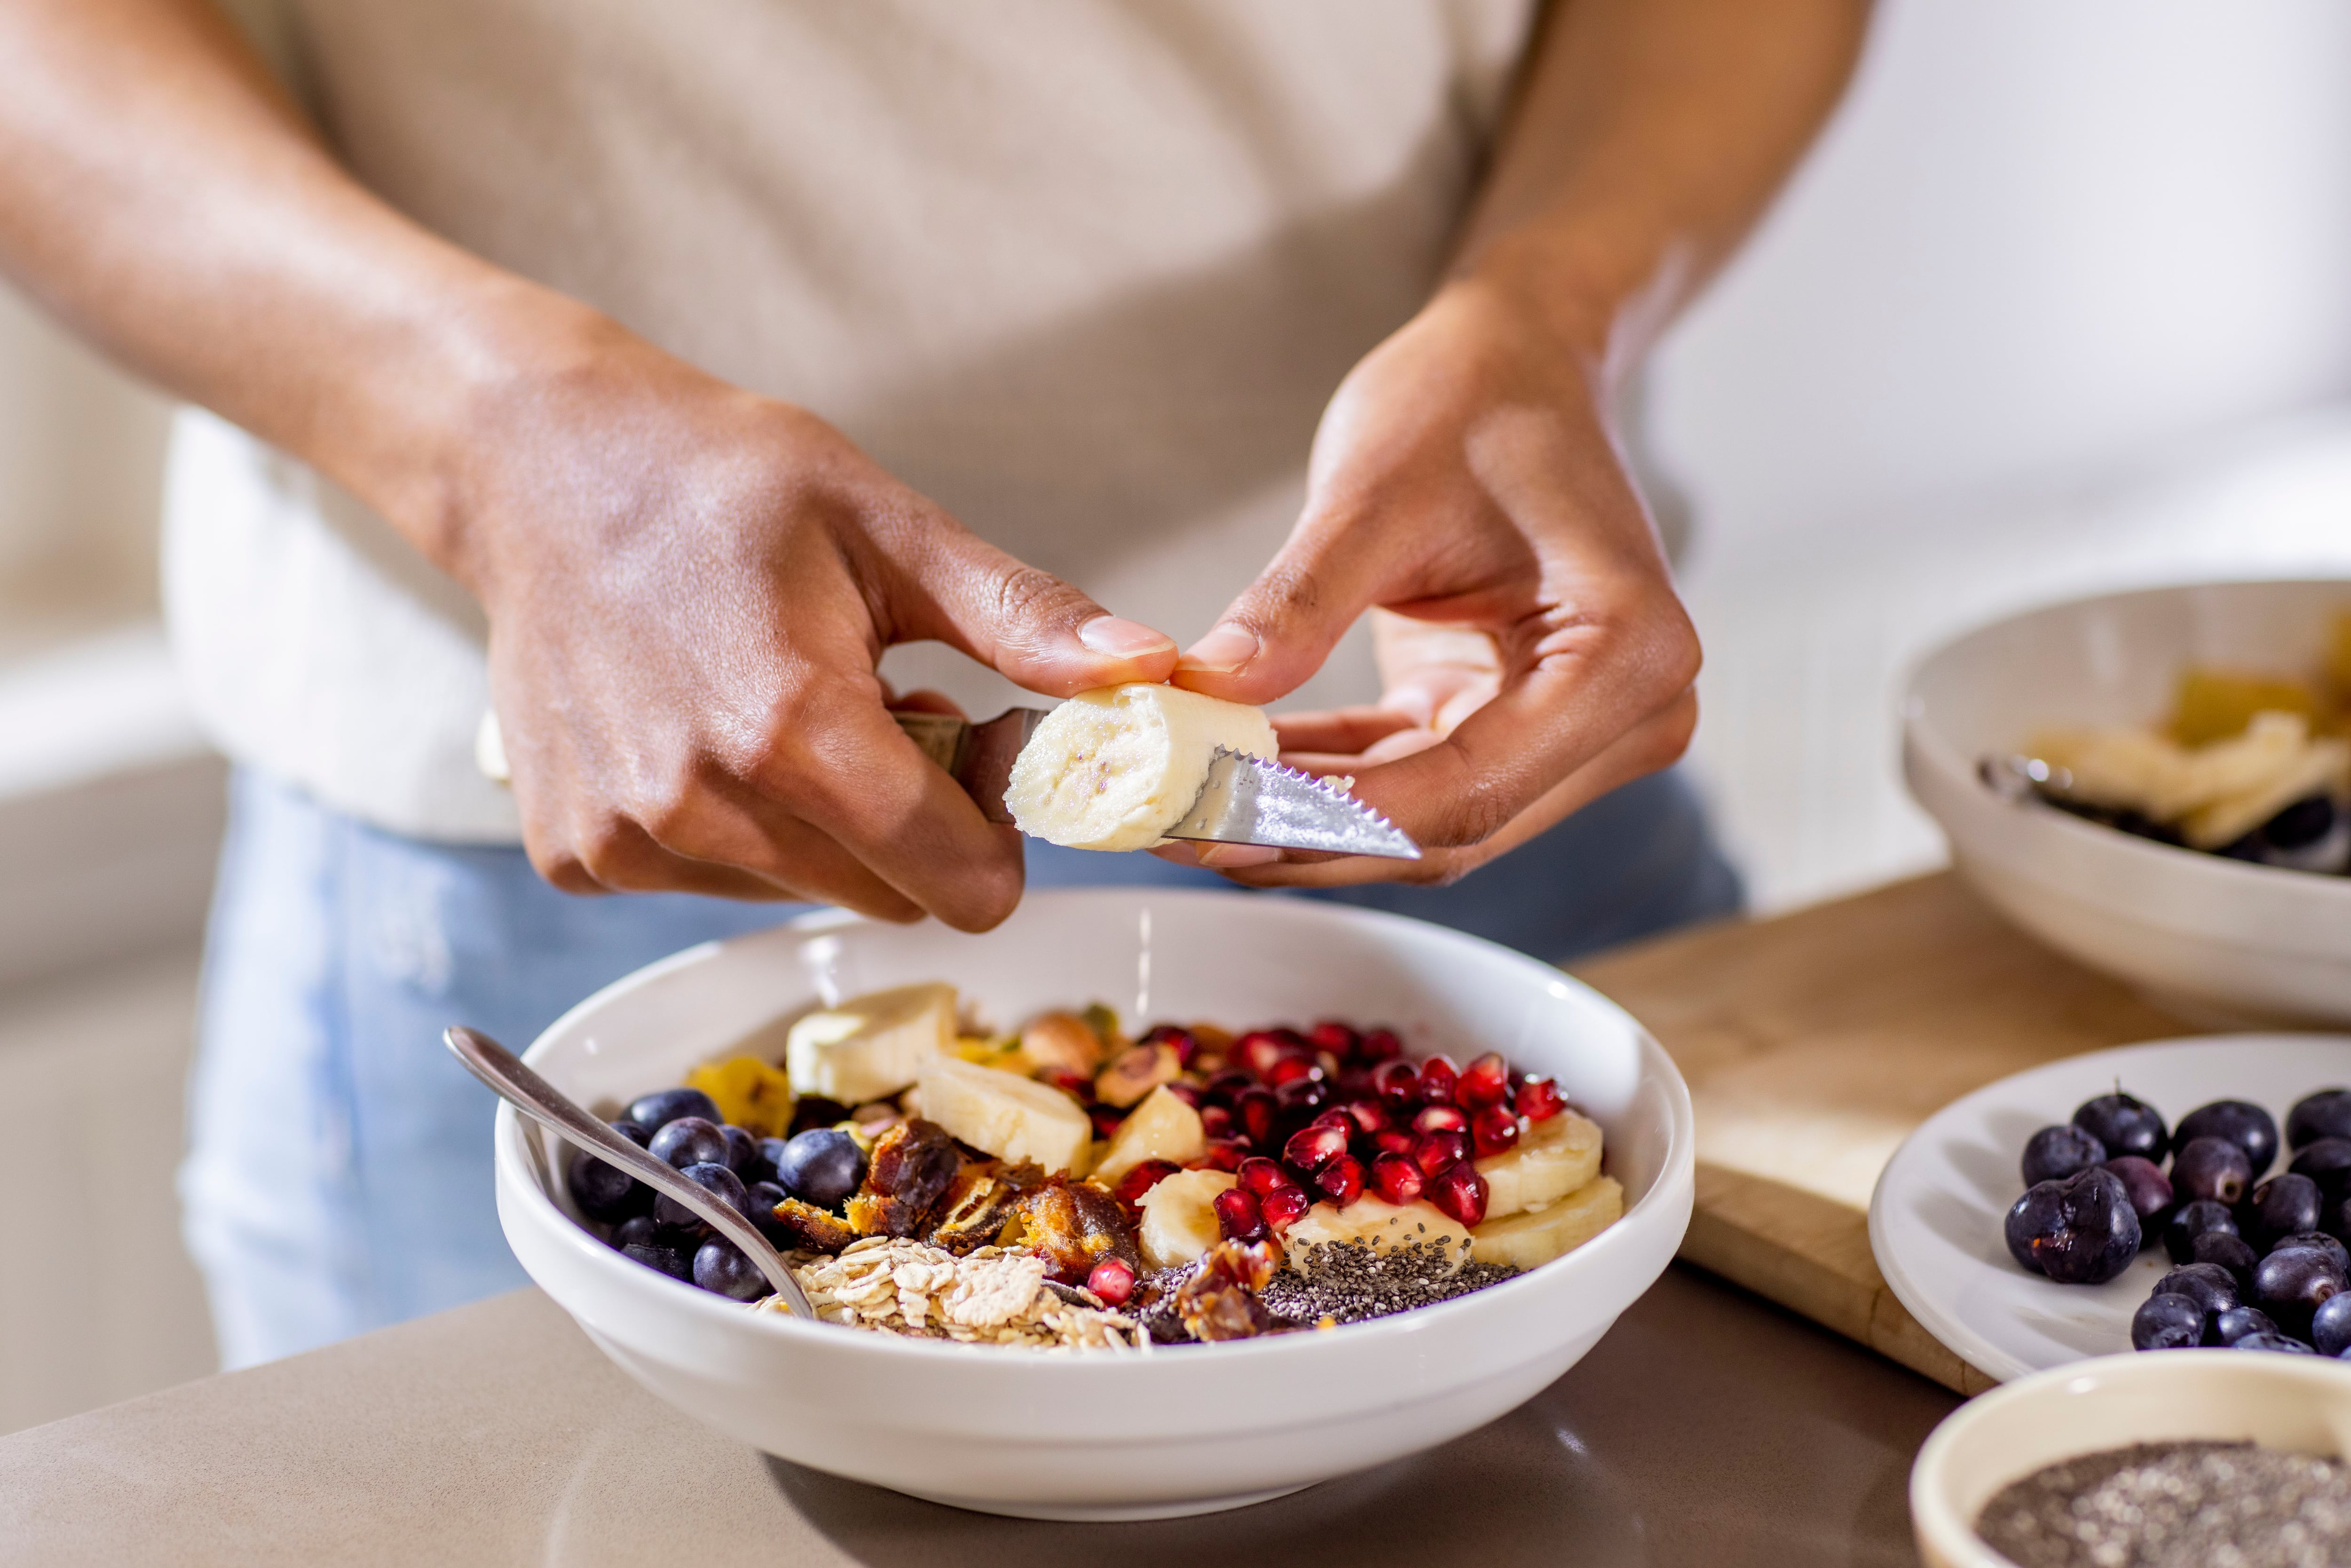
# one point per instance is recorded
(542, 1102)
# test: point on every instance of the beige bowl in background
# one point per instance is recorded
(2301, 1403)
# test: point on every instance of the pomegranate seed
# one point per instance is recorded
(1227, 1087)
(1105, 1119)
(1486, 1081)
(1140, 1178)
(1222, 1154)
(1290, 1070)
(1438, 1080)
(1341, 1181)
(1397, 1081)
(1314, 1147)
(1307, 1094)
(1540, 1100)
(1328, 1061)
(1283, 1208)
(1432, 1152)
(1442, 1119)
(1188, 1093)
(1397, 1179)
(1113, 1280)
(1368, 1115)
(1215, 1121)
(1240, 1219)
(1334, 1036)
(1076, 1084)
(1459, 1191)
(1187, 1044)
(1397, 1140)
(1354, 1082)
(1336, 1117)
(1261, 1175)
(1380, 1045)
(1256, 1112)
(1260, 1049)
(1494, 1129)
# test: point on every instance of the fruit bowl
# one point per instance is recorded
(2221, 942)
(1175, 1430)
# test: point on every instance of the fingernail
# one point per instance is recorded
(1224, 650)
(1233, 857)
(1123, 639)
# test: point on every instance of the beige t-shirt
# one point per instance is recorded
(1083, 272)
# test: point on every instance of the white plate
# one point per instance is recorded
(1935, 1218)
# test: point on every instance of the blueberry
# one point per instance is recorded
(2054, 1154)
(675, 1261)
(2330, 1325)
(719, 1265)
(742, 1150)
(2234, 1324)
(2294, 1281)
(2193, 1219)
(2286, 1342)
(2080, 1231)
(2211, 1167)
(638, 1231)
(823, 1166)
(2240, 1121)
(604, 1192)
(2229, 1252)
(2319, 1240)
(2165, 1321)
(2326, 1115)
(639, 1136)
(2282, 1206)
(2327, 1162)
(2149, 1190)
(689, 1141)
(718, 1180)
(2209, 1285)
(815, 1111)
(663, 1106)
(2125, 1125)
(765, 1196)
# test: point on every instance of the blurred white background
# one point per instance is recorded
(2064, 301)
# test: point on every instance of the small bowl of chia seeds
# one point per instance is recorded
(2193, 1457)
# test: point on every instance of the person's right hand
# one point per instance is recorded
(688, 589)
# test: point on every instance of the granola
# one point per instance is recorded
(893, 1285)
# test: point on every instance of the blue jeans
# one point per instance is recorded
(337, 1176)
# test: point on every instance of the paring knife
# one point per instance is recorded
(1246, 800)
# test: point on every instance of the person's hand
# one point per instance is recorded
(688, 588)
(1533, 652)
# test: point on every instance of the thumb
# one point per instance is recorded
(1277, 633)
(1031, 627)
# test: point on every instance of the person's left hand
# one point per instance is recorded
(1533, 652)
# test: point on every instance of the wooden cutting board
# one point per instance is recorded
(1815, 1041)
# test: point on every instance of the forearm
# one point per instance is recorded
(159, 194)
(1647, 137)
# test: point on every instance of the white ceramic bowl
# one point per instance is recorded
(1184, 1430)
(2219, 941)
(2301, 1403)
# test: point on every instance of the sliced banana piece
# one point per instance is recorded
(1541, 1235)
(1162, 1128)
(1005, 1114)
(1179, 1217)
(1553, 1158)
(1377, 1222)
(871, 1046)
(1115, 767)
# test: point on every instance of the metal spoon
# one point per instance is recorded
(543, 1102)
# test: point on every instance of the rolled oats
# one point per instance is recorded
(903, 1286)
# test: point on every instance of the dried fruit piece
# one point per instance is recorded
(1073, 1227)
(1219, 1302)
(973, 1210)
(909, 1172)
(816, 1229)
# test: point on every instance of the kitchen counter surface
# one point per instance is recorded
(1708, 1426)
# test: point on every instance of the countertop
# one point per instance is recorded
(1708, 1426)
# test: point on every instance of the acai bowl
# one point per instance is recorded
(1085, 1435)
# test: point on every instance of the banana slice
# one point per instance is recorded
(1179, 1217)
(1542, 1234)
(871, 1046)
(1377, 1221)
(1115, 767)
(1553, 1158)
(1005, 1114)
(1162, 1128)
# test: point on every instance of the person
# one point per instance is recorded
(684, 382)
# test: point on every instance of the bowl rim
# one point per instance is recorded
(1937, 1519)
(1930, 745)
(1676, 1173)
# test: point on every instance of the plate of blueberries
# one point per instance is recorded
(2179, 1193)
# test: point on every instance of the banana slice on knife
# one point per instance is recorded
(1115, 767)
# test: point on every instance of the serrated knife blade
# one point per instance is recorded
(1252, 801)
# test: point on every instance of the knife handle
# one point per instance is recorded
(978, 755)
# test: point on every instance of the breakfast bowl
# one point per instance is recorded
(2216, 940)
(1096, 1434)
(2297, 1403)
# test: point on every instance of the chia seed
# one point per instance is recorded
(2176, 1505)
